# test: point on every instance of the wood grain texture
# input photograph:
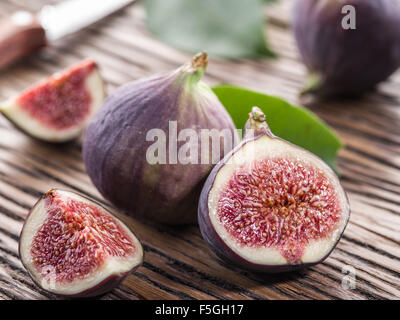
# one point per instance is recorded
(178, 265)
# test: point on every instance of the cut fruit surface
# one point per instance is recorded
(279, 203)
(58, 108)
(272, 206)
(72, 246)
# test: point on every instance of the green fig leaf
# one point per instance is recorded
(223, 28)
(292, 123)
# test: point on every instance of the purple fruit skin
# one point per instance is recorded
(103, 287)
(114, 150)
(219, 247)
(350, 62)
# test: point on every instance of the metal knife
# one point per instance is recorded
(25, 32)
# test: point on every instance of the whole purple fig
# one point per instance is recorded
(348, 46)
(143, 151)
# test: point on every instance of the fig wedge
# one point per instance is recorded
(72, 246)
(58, 108)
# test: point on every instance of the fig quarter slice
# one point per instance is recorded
(58, 108)
(72, 246)
(270, 206)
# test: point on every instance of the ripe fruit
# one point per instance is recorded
(118, 144)
(71, 246)
(347, 61)
(58, 108)
(270, 206)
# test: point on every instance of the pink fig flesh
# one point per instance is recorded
(58, 108)
(270, 206)
(71, 246)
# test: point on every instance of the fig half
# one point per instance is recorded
(270, 206)
(58, 108)
(72, 246)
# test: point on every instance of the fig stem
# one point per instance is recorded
(50, 193)
(257, 115)
(195, 68)
(257, 124)
(200, 61)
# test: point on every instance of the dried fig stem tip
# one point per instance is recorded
(194, 69)
(257, 124)
(49, 193)
(200, 61)
(257, 115)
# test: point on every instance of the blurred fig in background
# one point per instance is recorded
(348, 46)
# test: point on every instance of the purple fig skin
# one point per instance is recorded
(347, 62)
(114, 147)
(107, 285)
(212, 238)
(101, 288)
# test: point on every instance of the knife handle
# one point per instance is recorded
(20, 35)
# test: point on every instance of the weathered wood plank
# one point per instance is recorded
(178, 264)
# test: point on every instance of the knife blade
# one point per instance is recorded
(25, 32)
(73, 15)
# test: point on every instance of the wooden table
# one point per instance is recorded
(178, 264)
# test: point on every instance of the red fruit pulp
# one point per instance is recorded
(76, 238)
(61, 101)
(279, 203)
